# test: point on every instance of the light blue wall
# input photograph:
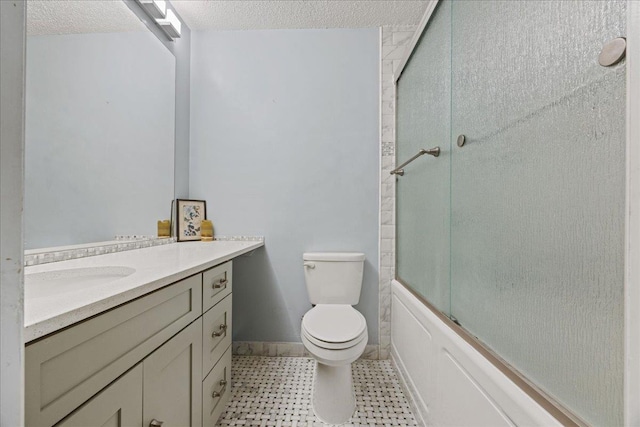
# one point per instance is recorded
(284, 143)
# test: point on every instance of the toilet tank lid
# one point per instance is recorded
(333, 256)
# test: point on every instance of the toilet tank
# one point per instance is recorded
(333, 277)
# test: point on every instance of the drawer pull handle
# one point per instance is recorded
(223, 383)
(156, 423)
(221, 330)
(220, 284)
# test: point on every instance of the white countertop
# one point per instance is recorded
(155, 267)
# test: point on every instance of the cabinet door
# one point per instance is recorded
(120, 404)
(173, 380)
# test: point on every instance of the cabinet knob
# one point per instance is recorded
(156, 423)
(220, 392)
(220, 284)
(221, 330)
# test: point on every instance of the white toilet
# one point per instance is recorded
(333, 331)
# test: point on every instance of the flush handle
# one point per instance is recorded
(220, 392)
(220, 284)
(221, 330)
(309, 265)
(156, 423)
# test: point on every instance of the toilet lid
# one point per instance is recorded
(334, 323)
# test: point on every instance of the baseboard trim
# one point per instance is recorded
(286, 349)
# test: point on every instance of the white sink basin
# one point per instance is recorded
(49, 283)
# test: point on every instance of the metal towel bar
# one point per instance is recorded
(435, 152)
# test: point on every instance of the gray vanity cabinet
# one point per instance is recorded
(171, 380)
(138, 364)
(65, 369)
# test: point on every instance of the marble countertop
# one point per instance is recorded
(155, 267)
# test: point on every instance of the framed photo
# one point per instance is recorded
(189, 215)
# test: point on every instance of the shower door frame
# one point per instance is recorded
(632, 221)
(632, 240)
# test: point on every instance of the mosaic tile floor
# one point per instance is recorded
(276, 391)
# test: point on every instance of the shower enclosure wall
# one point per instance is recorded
(516, 231)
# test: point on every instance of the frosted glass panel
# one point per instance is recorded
(538, 194)
(423, 121)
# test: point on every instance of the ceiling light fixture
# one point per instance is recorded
(171, 24)
(156, 9)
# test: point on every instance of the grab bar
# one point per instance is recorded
(435, 152)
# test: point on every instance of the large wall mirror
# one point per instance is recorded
(100, 117)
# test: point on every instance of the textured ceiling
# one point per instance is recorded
(274, 14)
(80, 16)
(106, 16)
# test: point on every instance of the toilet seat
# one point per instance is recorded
(334, 326)
(335, 346)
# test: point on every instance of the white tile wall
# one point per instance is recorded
(394, 42)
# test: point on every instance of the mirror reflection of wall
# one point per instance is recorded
(100, 117)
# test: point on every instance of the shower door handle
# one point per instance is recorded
(435, 152)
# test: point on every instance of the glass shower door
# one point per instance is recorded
(422, 193)
(537, 194)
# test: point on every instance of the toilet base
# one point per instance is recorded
(334, 400)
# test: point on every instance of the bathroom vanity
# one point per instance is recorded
(148, 345)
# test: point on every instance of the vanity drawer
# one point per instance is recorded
(63, 369)
(216, 284)
(216, 333)
(216, 390)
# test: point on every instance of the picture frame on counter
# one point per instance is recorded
(189, 216)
